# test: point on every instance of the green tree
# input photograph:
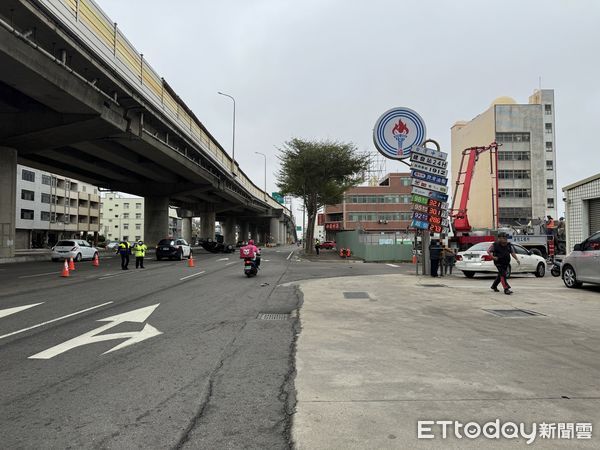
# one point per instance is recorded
(319, 172)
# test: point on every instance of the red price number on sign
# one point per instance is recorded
(435, 228)
(434, 203)
(434, 212)
(436, 220)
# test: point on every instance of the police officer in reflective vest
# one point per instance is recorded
(140, 251)
(124, 249)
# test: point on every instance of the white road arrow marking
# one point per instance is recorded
(133, 337)
(9, 311)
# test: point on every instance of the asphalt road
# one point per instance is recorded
(165, 357)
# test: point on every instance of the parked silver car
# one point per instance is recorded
(77, 249)
(582, 265)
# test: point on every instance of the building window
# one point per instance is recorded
(138, 206)
(27, 195)
(27, 214)
(550, 203)
(514, 216)
(116, 216)
(512, 137)
(514, 193)
(126, 226)
(46, 179)
(548, 146)
(550, 184)
(28, 175)
(138, 215)
(513, 156)
(45, 216)
(549, 165)
(83, 188)
(138, 226)
(125, 238)
(125, 215)
(548, 110)
(110, 209)
(405, 181)
(125, 205)
(138, 238)
(45, 198)
(116, 226)
(548, 128)
(514, 174)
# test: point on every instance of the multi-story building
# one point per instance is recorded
(52, 207)
(526, 161)
(122, 217)
(385, 207)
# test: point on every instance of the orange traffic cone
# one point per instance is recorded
(96, 261)
(191, 262)
(71, 264)
(414, 259)
(65, 270)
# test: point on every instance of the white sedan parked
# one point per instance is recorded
(77, 249)
(477, 260)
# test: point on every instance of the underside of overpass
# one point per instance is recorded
(66, 110)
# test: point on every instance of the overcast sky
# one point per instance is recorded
(319, 69)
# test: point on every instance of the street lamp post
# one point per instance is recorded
(233, 138)
(264, 156)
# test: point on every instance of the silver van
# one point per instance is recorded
(582, 265)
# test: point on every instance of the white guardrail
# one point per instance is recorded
(89, 23)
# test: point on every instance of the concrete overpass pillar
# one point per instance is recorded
(282, 233)
(8, 201)
(244, 231)
(274, 231)
(186, 223)
(229, 231)
(207, 225)
(156, 219)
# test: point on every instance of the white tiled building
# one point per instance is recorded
(582, 201)
(122, 217)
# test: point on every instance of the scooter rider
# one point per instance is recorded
(254, 251)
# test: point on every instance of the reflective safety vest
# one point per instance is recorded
(140, 250)
(124, 248)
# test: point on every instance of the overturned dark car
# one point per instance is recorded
(210, 245)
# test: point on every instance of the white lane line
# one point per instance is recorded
(9, 311)
(193, 275)
(112, 275)
(223, 259)
(54, 320)
(228, 264)
(39, 275)
(290, 255)
(392, 265)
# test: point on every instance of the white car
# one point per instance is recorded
(77, 249)
(477, 260)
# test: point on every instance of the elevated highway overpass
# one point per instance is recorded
(77, 99)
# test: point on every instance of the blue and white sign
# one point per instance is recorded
(397, 132)
(429, 177)
(431, 194)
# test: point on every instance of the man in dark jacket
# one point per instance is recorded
(435, 253)
(502, 250)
